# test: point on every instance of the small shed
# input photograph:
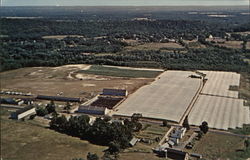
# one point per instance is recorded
(115, 92)
(24, 112)
(133, 141)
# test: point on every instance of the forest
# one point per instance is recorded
(100, 40)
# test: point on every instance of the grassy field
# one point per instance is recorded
(232, 44)
(216, 146)
(155, 46)
(26, 141)
(60, 37)
(117, 72)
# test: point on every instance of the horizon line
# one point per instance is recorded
(125, 6)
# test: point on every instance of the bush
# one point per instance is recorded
(40, 111)
(32, 116)
(93, 156)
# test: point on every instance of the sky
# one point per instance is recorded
(124, 2)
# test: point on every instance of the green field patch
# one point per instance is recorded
(118, 72)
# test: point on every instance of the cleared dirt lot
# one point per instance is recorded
(219, 112)
(166, 98)
(54, 80)
(218, 83)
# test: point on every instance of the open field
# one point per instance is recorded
(194, 44)
(248, 45)
(218, 83)
(60, 37)
(139, 156)
(120, 72)
(216, 146)
(219, 112)
(23, 140)
(166, 98)
(53, 80)
(155, 46)
(231, 44)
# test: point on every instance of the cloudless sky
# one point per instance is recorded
(123, 2)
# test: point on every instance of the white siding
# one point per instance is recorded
(24, 114)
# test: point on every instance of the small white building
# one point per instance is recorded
(24, 112)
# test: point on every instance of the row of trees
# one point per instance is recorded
(103, 132)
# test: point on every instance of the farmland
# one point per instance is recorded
(156, 46)
(219, 112)
(218, 105)
(120, 72)
(219, 83)
(160, 100)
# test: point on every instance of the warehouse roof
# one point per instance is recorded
(57, 98)
(24, 109)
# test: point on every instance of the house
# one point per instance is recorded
(92, 110)
(133, 141)
(24, 112)
(114, 92)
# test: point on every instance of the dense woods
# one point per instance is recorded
(100, 39)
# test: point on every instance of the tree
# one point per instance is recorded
(40, 111)
(247, 143)
(32, 116)
(186, 123)
(59, 123)
(93, 156)
(200, 134)
(51, 107)
(204, 127)
(138, 127)
(67, 107)
(165, 123)
(114, 147)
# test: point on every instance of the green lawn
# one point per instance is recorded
(117, 72)
(26, 141)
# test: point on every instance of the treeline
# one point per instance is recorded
(103, 132)
(55, 53)
(148, 30)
